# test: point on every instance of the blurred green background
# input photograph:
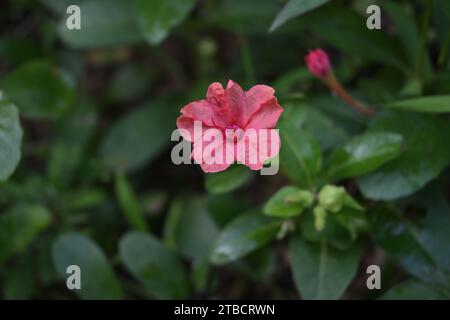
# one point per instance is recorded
(87, 176)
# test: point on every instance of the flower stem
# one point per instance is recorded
(331, 81)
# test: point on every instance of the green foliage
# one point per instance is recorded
(10, 138)
(98, 279)
(288, 202)
(152, 264)
(295, 8)
(156, 18)
(320, 271)
(39, 89)
(87, 179)
(243, 235)
(227, 181)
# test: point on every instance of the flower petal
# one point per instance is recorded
(212, 152)
(218, 105)
(185, 125)
(267, 116)
(236, 103)
(199, 110)
(256, 97)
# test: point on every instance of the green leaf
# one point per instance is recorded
(364, 154)
(432, 104)
(10, 138)
(72, 134)
(411, 290)
(300, 155)
(345, 29)
(19, 227)
(189, 228)
(39, 90)
(156, 18)
(288, 202)
(128, 202)
(293, 9)
(320, 271)
(406, 29)
(423, 160)
(98, 280)
(228, 180)
(155, 266)
(421, 248)
(136, 138)
(243, 235)
(103, 23)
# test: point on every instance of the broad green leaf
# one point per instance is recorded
(19, 227)
(156, 267)
(98, 280)
(156, 18)
(411, 290)
(300, 155)
(228, 180)
(423, 160)
(421, 247)
(243, 235)
(128, 202)
(320, 271)
(39, 90)
(364, 154)
(104, 23)
(432, 104)
(189, 228)
(293, 9)
(137, 137)
(10, 138)
(288, 202)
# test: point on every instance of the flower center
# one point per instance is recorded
(234, 133)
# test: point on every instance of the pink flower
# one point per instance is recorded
(318, 63)
(229, 115)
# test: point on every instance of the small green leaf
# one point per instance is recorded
(432, 104)
(128, 202)
(155, 266)
(98, 280)
(156, 17)
(293, 9)
(19, 227)
(242, 236)
(228, 180)
(10, 138)
(288, 202)
(320, 271)
(103, 24)
(364, 154)
(39, 90)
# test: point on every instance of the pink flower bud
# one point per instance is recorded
(318, 63)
